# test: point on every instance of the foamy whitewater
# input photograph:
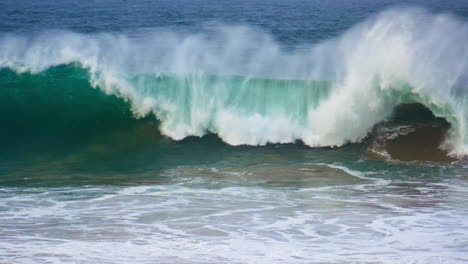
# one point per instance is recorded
(304, 219)
(237, 81)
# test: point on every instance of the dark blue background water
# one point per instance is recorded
(291, 21)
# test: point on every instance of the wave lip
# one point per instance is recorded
(220, 81)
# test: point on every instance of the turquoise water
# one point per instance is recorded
(233, 132)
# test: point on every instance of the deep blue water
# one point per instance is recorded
(292, 22)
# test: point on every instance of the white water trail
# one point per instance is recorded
(398, 56)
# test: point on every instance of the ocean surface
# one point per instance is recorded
(240, 131)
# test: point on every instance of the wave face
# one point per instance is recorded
(57, 106)
(239, 83)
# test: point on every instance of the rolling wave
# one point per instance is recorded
(239, 83)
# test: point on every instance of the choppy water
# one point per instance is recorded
(260, 214)
(233, 132)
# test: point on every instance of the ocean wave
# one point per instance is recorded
(239, 83)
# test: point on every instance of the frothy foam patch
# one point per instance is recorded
(391, 223)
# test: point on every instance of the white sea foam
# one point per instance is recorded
(249, 224)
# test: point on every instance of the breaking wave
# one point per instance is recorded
(241, 84)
